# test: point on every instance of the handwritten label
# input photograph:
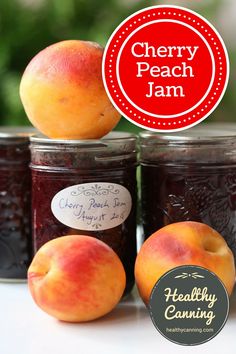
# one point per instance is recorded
(92, 206)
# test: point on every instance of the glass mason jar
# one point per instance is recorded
(190, 175)
(15, 199)
(89, 188)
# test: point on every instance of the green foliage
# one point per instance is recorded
(27, 26)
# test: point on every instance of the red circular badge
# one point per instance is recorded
(165, 68)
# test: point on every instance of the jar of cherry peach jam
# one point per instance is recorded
(88, 188)
(15, 199)
(190, 175)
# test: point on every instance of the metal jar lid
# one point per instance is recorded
(16, 135)
(212, 143)
(114, 150)
(212, 133)
(112, 137)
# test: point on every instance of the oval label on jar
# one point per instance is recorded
(92, 206)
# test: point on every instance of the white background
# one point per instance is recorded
(25, 329)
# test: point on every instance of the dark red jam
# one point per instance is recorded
(191, 176)
(57, 165)
(15, 204)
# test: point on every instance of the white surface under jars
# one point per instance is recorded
(25, 329)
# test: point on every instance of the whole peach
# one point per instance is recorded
(76, 278)
(183, 243)
(63, 93)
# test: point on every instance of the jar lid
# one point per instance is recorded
(114, 150)
(114, 137)
(206, 133)
(16, 135)
(211, 143)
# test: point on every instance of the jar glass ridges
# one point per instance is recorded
(15, 199)
(190, 175)
(89, 169)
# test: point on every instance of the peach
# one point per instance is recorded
(76, 278)
(63, 93)
(183, 243)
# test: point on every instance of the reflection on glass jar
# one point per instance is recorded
(190, 175)
(15, 210)
(89, 188)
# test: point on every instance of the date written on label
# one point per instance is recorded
(92, 206)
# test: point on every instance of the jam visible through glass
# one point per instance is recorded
(45, 226)
(57, 165)
(204, 193)
(15, 211)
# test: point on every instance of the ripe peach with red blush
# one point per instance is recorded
(76, 278)
(63, 93)
(183, 243)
